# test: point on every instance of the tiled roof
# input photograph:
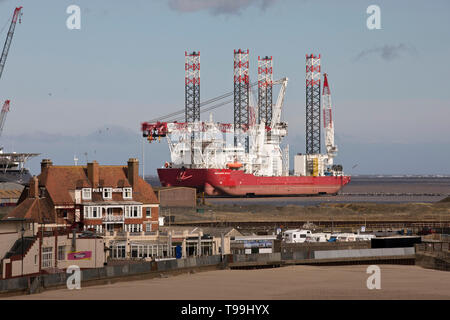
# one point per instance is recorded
(60, 183)
(143, 192)
(36, 209)
(113, 176)
(60, 180)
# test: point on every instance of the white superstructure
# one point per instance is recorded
(214, 148)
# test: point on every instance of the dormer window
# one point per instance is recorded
(127, 193)
(107, 193)
(86, 193)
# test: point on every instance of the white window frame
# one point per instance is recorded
(61, 253)
(127, 193)
(88, 212)
(133, 227)
(118, 251)
(107, 190)
(148, 227)
(86, 194)
(150, 209)
(47, 257)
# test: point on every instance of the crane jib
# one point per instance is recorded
(9, 39)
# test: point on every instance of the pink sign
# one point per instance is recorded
(79, 255)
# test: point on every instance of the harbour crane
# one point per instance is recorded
(328, 121)
(276, 113)
(5, 110)
(16, 16)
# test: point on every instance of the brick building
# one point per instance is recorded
(176, 197)
(104, 198)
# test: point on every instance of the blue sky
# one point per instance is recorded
(87, 91)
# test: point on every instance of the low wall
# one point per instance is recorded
(262, 257)
(359, 253)
(295, 247)
(433, 261)
(299, 251)
(23, 284)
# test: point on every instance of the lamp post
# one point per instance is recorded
(22, 231)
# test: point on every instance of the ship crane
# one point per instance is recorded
(328, 122)
(276, 112)
(12, 27)
(5, 110)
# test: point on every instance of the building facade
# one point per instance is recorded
(27, 249)
(102, 198)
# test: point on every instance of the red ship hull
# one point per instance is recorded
(230, 182)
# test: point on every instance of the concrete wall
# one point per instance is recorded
(218, 244)
(58, 279)
(332, 254)
(6, 242)
(10, 232)
(263, 257)
(433, 261)
(95, 246)
(295, 247)
(30, 262)
(116, 271)
(32, 258)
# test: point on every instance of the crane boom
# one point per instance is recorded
(9, 37)
(5, 110)
(276, 112)
(328, 121)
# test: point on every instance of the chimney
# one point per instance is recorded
(93, 175)
(33, 192)
(133, 171)
(45, 163)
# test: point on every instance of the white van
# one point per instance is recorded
(296, 235)
(320, 237)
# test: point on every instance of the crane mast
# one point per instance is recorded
(9, 37)
(5, 110)
(328, 121)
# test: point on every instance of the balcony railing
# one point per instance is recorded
(109, 218)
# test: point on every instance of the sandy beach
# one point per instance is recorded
(290, 283)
